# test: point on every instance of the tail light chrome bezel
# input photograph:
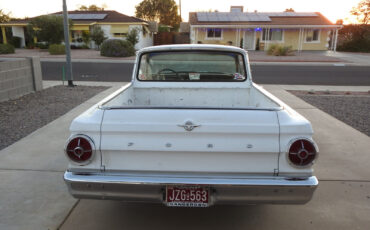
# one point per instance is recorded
(93, 149)
(291, 142)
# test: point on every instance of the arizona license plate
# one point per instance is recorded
(187, 196)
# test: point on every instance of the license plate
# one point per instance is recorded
(187, 196)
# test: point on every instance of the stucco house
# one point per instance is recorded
(113, 23)
(257, 30)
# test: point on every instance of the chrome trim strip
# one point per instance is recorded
(148, 180)
(141, 187)
(190, 108)
(101, 104)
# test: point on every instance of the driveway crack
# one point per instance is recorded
(68, 214)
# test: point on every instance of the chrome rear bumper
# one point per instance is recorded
(147, 188)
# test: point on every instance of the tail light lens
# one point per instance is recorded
(80, 149)
(302, 152)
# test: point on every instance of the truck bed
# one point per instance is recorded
(192, 97)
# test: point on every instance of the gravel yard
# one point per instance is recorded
(22, 116)
(353, 110)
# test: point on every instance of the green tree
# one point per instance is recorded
(97, 35)
(354, 38)
(289, 10)
(362, 12)
(4, 17)
(91, 8)
(339, 22)
(163, 11)
(48, 28)
(86, 37)
(133, 37)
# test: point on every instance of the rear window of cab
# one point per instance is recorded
(192, 66)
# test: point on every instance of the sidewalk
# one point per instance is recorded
(75, 54)
(34, 196)
(47, 84)
(356, 58)
(304, 56)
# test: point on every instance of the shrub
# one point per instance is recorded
(278, 50)
(55, 49)
(97, 35)
(30, 46)
(133, 36)
(117, 48)
(42, 45)
(15, 41)
(6, 49)
(355, 46)
(86, 38)
(354, 38)
(78, 47)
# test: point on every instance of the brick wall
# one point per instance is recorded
(19, 77)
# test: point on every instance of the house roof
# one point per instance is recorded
(110, 16)
(106, 16)
(258, 18)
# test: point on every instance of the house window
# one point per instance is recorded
(312, 35)
(214, 33)
(119, 34)
(272, 35)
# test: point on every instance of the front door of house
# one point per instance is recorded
(248, 40)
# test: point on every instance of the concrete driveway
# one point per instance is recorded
(33, 195)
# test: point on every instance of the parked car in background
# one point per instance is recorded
(192, 129)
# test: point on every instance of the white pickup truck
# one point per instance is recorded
(192, 129)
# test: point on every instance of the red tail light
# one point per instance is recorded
(80, 149)
(302, 152)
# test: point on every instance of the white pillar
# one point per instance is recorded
(243, 44)
(267, 35)
(239, 39)
(299, 39)
(302, 40)
(332, 40)
(254, 39)
(196, 35)
(336, 40)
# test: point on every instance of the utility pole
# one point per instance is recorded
(68, 48)
(180, 9)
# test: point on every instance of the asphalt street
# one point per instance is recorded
(262, 73)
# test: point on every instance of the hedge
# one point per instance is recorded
(56, 49)
(6, 49)
(117, 48)
(354, 38)
(278, 50)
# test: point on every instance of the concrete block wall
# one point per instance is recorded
(19, 77)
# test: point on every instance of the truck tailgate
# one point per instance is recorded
(226, 141)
